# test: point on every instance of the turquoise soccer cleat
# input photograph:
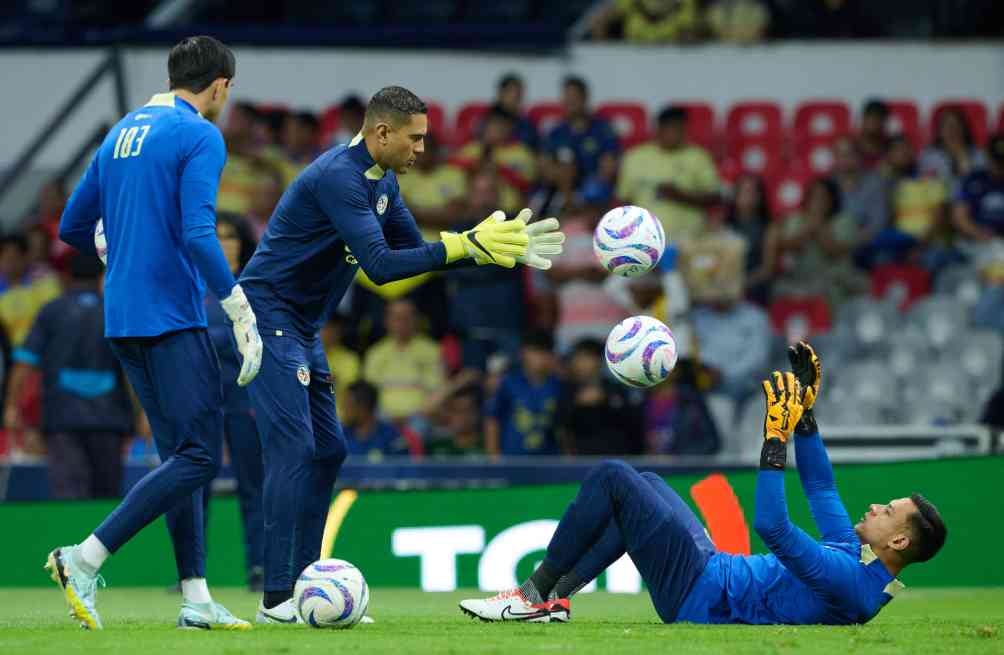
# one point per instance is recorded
(209, 616)
(79, 589)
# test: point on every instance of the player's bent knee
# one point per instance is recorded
(612, 469)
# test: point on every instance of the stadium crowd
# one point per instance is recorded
(488, 361)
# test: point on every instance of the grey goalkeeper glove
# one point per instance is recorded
(249, 343)
(545, 240)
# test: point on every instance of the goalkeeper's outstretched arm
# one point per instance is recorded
(814, 468)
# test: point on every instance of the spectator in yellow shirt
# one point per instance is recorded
(405, 366)
(511, 159)
(434, 190)
(246, 167)
(22, 294)
(650, 21)
(673, 179)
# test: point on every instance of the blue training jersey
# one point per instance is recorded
(802, 581)
(154, 181)
(342, 212)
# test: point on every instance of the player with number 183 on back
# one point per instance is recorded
(153, 182)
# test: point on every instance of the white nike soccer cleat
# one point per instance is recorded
(509, 605)
(79, 589)
(209, 616)
(283, 613)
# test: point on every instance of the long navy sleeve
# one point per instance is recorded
(200, 181)
(820, 487)
(823, 570)
(357, 225)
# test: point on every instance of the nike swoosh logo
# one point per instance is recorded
(189, 623)
(507, 613)
(473, 237)
(278, 619)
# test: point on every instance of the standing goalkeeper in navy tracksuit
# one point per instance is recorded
(844, 579)
(342, 213)
(153, 182)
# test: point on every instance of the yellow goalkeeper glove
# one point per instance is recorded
(784, 406)
(809, 371)
(492, 241)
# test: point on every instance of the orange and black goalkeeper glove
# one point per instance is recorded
(809, 372)
(783, 411)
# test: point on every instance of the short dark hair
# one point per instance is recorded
(352, 102)
(578, 82)
(309, 119)
(876, 106)
(539, 339)
(589, 346)
(509, 78)
(395, 104)
(197, 62)
(364, 393)
(671, 114)
(85, 267)
(18, 240)
(928, 531)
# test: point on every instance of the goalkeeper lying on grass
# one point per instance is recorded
(846, 578)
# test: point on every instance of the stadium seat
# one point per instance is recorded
(754, 137)
(980, 354)
(759, 158)
(329, 123)
(816, 156)
(869, 325)
(747, 121)
(961, 282)
(629, 120)
(902, 284)
(786, 191)
(976, 114)
(701, 126)
(904, 118)
(908, 353)
(817, 120)
(545, 115)
(437, 122)
(798, 318)
(1000, 121)
(940, 319)
(469, 121)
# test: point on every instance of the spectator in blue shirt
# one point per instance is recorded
(366, 434)
(978, 213)
(86, 410)
(509, 96)
(485, 302)
(522, 416)
(591, 139)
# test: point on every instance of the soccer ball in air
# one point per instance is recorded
(641, 351)
(99, 241)
(331, 593)
(629, 241)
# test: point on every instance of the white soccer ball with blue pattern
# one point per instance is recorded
(629, 241)
(100, 243)
(641, 351)
(331, 593)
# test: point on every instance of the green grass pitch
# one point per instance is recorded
(141, 621)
